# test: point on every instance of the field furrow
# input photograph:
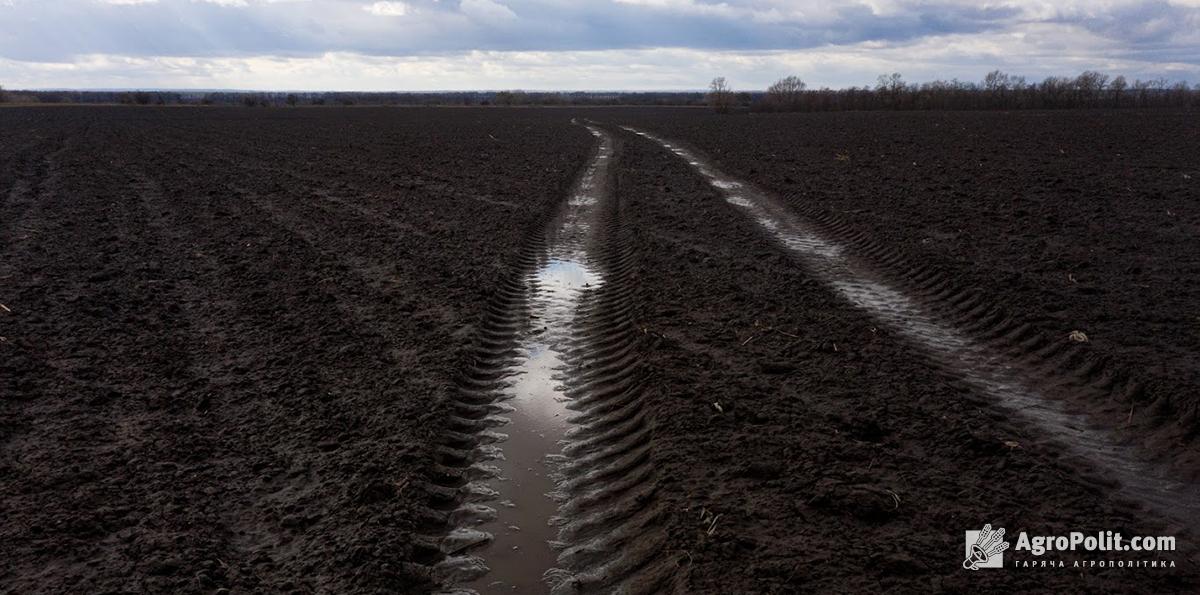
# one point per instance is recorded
(554, 484)
(1008, 383)
(420, 350)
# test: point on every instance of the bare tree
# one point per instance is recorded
(1090, 85)
(516, 97)
(786, 93)
(1150, 91)
(1054, 90)
(1018, 91)
(1117, 87)
(997, 84)
(891, 86)
(1179, 94)
(1142, 88)
(720, 95)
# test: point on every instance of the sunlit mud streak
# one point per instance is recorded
(504, 530)
(990, 373)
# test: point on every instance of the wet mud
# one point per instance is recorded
(321, 350)
(1005, 380)
(504, 540)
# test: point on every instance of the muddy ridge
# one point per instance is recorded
(319, 350)
(217, 375)
(1013, 371)
(1048, 212)
(611, 531)
(803, 445)
(549, 460)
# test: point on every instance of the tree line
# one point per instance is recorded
(285, 99)
(998, 90)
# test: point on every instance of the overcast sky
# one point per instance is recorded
(413, 45)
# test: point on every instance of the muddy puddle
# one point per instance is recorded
(504, 535)
(991, 374)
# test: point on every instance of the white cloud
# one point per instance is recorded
(809, 12)
(237, 3)
(463, 44)
(487, 10)
(685, 6)
(390, 8)
(1035, 50)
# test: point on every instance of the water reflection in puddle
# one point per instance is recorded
(517, 484)
(988, 373)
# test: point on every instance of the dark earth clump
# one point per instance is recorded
(855, 467)
(229, 335)
(231, 332)
(1073, 220)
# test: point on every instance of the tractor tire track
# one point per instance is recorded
(1007, 362)
(598, 528)
(331, 337)
(611, 525)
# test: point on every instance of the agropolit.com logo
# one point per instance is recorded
(985, 549)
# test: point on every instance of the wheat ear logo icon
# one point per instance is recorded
(986, 550)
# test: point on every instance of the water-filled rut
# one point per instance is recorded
(989, 371)
(554, 480)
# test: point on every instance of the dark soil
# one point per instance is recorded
(230, 337)
(842, 461)
(1073, 220)
(231, 332)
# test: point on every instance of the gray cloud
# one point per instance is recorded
(1152, 34)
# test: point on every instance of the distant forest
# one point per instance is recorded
(997, 90)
